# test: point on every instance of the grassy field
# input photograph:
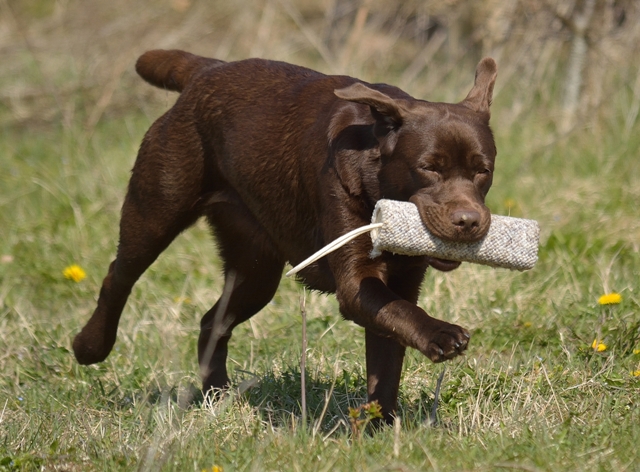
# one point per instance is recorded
(533, 392)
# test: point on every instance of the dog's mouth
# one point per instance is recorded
(443, 265)
(462, 225)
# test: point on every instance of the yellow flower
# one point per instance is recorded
(610, 299)
(509, 203)
(598, 346)
(215, 468)
(74, 272)
(527, 324)
(635, 373)
(636, 351)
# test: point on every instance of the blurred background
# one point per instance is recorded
(571, 64)
(552, 375)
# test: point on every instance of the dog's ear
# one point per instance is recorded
(388, 113)
(480, 96)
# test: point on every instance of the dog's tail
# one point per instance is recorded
(171, 69)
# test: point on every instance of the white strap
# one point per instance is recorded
(338, 243)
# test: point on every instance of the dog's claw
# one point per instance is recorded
(446, 341)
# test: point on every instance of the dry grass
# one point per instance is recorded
(70, 60)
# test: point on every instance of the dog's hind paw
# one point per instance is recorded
(92, 345)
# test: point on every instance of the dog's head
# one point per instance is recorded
(438, 156)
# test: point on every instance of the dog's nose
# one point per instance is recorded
(465, 219)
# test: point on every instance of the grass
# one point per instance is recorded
(531, 394)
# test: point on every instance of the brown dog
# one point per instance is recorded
(282, 160)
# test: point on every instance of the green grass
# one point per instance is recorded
(530, 394)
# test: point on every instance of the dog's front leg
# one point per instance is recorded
(392, 323)
(384, 368)
(372, 304)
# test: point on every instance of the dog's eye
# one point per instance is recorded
(429, 168)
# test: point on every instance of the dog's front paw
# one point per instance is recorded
(444, 341)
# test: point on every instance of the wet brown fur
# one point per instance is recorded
(281, 160)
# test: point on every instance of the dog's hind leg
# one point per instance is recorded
(143, 236)
(253, 269)
(161, 202)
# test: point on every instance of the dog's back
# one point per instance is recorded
(267, 136)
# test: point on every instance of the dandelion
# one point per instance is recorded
(509, 203)
(598, 346)
(610, 299)
(215, 468)
(636, 351)
(635, 373)
(74, 272)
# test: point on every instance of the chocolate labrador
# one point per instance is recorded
(281, 160)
